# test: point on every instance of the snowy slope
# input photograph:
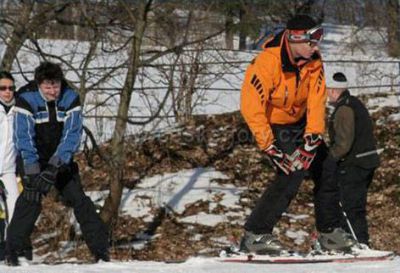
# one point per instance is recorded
(204, 265)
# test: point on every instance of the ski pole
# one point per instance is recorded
(348, 223)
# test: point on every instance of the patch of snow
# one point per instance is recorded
(299, 236)
(394, 117)
(45, 237)
(210, 220)
(175, 191)
(222, 240)
(197, 237)
(296, 217)
(374, 104)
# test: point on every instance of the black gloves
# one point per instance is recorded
(47, 178)
(30, 192)
(39, 184)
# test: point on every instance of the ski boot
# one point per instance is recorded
(336, 240)
(262, 244)
(26, 253)
(102, 256)
(11, 259)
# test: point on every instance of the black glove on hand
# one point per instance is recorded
(31, 192)
(304, 155)
(279, 159)
(47, 178)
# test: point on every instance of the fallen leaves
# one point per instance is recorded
(224, 143)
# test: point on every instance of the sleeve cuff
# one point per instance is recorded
(32, 169)
(56, 161)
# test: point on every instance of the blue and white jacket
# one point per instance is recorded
(46, 132)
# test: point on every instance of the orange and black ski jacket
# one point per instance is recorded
(276, 91)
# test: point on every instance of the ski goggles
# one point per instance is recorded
(313, 36)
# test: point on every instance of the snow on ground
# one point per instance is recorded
(208, 265)
(374, 104)
(177, 190)
(205, 219)
(395, 116)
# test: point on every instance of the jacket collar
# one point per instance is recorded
(288, 63)
(6, 107)
(343, 97)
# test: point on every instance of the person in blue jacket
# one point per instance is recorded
(47, 133)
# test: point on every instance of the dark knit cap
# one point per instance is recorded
(301, 22)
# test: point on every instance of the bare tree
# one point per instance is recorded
(23, 20)
(143, 33)
(383, 16)
(138, 17)
(140, 20)
(393, 27)
(229, 29)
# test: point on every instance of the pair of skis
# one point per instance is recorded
(357, 254)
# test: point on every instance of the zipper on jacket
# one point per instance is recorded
(286, 96)
(52, 111)
(297, 82)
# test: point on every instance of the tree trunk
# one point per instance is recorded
(229, 31)
(242, 34)
(113, 200)
(393, 32)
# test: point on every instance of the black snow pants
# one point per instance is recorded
(68, 184)
(277, 197)
(349, 186)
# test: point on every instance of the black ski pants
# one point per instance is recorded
(349, 185)
(2, 238)
(277, 197)
(68, 184)
(354, 182)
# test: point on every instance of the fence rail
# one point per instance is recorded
(100, 68)
(112, 91)
(231, 89)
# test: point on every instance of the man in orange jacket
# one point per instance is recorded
(283, 101)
